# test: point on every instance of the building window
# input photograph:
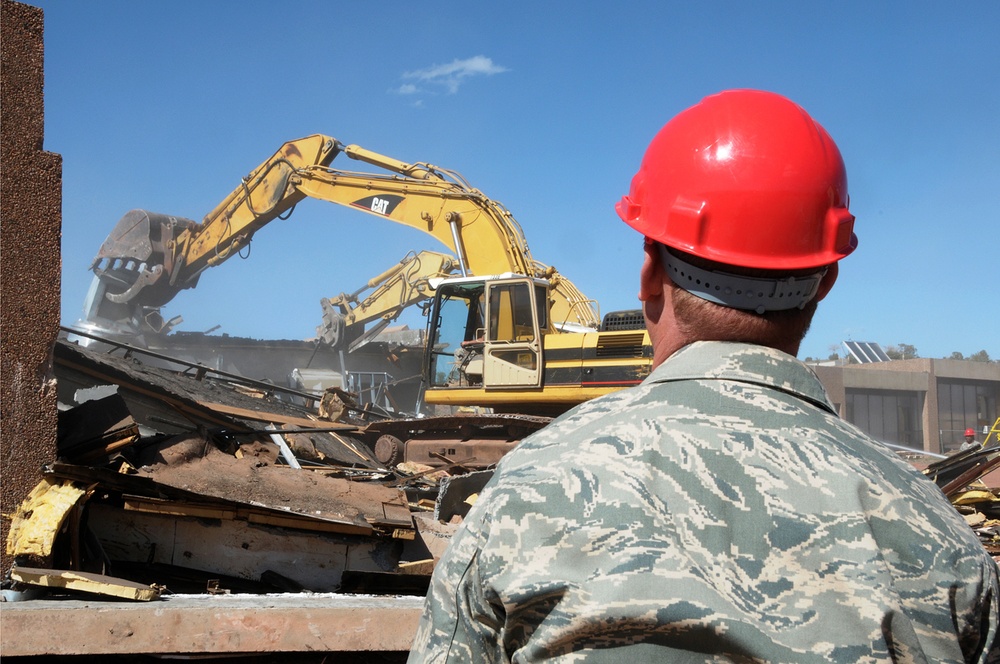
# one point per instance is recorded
(892, 417)
(965, 405)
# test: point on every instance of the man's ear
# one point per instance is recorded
(827, 282)
(651, 275)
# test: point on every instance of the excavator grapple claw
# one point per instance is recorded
(136, 255)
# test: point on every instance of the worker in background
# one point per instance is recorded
(721, 510)
(970, 440)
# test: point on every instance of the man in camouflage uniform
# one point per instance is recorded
(720, 511)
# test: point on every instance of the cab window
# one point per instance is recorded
(511, 316)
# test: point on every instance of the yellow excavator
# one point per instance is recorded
(504, 331)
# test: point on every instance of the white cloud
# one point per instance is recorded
(452, 74)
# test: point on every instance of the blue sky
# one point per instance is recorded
(546, 107)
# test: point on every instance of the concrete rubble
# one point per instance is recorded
(192, 482)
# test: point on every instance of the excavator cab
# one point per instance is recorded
(487, 333)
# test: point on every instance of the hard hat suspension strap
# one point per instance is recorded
(740, 292)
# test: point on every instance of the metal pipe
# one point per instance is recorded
(453, 220)
(286, 451)
(913, 450)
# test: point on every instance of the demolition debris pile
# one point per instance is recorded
(178, 481)
(959, 477)
(189, 483)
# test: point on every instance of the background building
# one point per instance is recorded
(924, 404)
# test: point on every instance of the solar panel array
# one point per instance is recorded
(865, 352)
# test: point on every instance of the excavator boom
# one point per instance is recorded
(149, 257)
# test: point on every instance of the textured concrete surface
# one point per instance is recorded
(30, 263)
(211, 625)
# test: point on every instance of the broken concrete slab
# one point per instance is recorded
(212, 624)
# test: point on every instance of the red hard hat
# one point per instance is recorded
(745, 178)
(970, 432)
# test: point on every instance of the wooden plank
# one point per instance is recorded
(319, 525)
(263, 516)
(177, 508)
(133, 485)
(278, 418)
(85, 582)
(981, 468)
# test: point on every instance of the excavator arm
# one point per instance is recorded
(149, 258)
(382, 298)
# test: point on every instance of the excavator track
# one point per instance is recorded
(473, 441)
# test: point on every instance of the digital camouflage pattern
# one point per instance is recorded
(719, 512)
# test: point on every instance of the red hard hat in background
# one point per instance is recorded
(970, 432)
(745, 178)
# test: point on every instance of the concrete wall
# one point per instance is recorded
(30, 263)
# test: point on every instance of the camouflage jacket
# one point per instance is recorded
(718, 512)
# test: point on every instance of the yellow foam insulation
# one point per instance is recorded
(975, 496)
(37, 521)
